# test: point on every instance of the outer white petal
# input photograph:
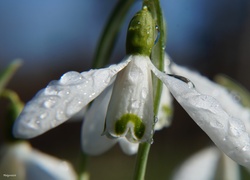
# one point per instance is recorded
(227, 101)
(128, 147)
(210, 163)
(93, 142)
(62, 99)
(201, 166)
(132, 94)
(32, 164)
(231, 170)
(228, 133)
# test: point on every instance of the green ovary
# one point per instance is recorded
(121, 125)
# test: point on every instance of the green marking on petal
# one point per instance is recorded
(121, 125)
(167, 110)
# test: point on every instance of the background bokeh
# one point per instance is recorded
(53, 37)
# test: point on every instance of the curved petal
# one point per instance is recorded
(227, 132)
(62, 99)
(202, 165)
(41, 166)
(128, 147)
(93, 142)
(207, 164)
(30, 164)
(227, 100)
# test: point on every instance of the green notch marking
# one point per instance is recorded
(121, 125)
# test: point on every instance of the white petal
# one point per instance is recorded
(128, 147)
(228, 133)
(93, 142)
(41, 166)
(132, 96)
(231, 170)
(31, 164)
(227, 100)
(201, 166)
(62, 99)
(210, 163)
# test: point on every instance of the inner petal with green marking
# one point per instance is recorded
(122, 125)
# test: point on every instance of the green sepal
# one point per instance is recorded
(141, 33)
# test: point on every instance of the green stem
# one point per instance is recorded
(83, 172)
(141, 161)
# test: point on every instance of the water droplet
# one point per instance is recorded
(144, 93)
(190, 84)
(246, 148)
(64, 92)
(91, 95)
(71, 78)
(135, 74)
(236, 127)
(135, 104)
(151, 141)
(43, 115)
(156, 119)
(38, 122)
(60, 115)
(50, 103)
(216, 124)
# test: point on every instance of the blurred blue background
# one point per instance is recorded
(56, 36)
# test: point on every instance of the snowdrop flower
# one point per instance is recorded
(130, 110)
(19, 160)
(129, 113)
(92, 141)
(210, 163)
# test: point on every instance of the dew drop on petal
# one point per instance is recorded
(236, 127)
(60, 115)
(43, 115)
(135, 104)
(216, 124)
(246, 148)
(190, 84)
(135, 74)
(50, 103)
(156, 119)
(71, 78)
(144, 93)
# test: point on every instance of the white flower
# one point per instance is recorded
(92, 141)
(25, 163)
(130, 109)
(210, 163)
